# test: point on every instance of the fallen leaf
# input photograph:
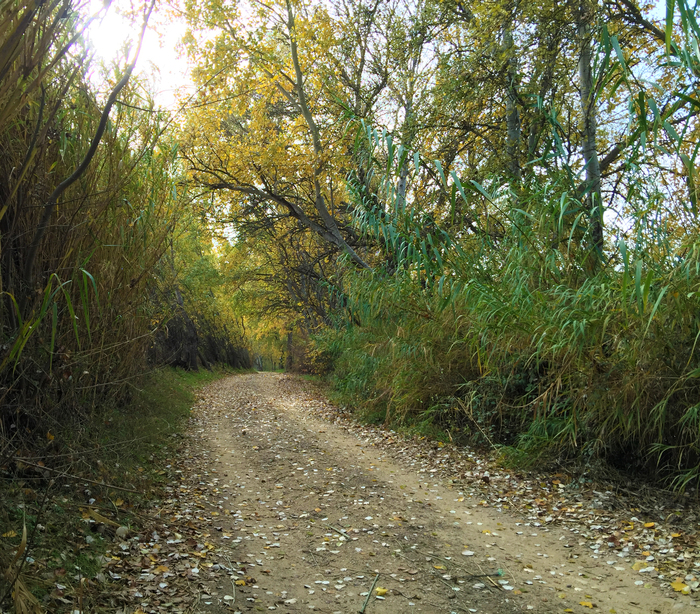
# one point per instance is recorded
(100, 518)
(381, 591)
(649, 525)
(678, 586)
(586, 604)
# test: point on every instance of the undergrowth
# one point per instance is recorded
(531, 338)
(112, 467)
(551, 370)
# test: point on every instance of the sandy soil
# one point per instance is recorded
(310, 512)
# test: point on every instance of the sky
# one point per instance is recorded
(159, 57)
(109, 35)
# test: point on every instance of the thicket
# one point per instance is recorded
(93, 211)
(534, 326)
(204, 327)
(94, 206)
(104, 277)
(513, 343)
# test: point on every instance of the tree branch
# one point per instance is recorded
(319, 202)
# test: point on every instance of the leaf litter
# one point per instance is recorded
(280, 501)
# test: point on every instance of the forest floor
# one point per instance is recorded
(279, 501)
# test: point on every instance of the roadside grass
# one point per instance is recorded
(103, 475)
(141, 431)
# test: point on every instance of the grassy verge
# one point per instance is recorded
(142, 431)
(101, 476)
(576, 378)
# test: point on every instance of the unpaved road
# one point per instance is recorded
(309, 514)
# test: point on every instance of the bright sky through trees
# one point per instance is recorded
(159, 59)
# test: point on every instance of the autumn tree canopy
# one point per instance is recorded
(583, 99)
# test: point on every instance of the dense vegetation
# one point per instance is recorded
(98, 245)
(478, 220)
(483, 215)
(96, 221)
(106, 275)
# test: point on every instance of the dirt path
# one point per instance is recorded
(307, 512)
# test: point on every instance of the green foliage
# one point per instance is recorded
(502, 331)
(147, 421)
(77, 316)
(597, 369)
(508, 253)
(201, 325)
(83, 295)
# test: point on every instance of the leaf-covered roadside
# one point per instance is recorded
(648, 529)
(162, 566)
(94, 492)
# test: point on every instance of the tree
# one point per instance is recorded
(283, 164)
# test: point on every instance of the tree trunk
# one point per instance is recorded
(512, 114)
(591, 195)
(319, 200)
(408, 134)
(289, 363)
